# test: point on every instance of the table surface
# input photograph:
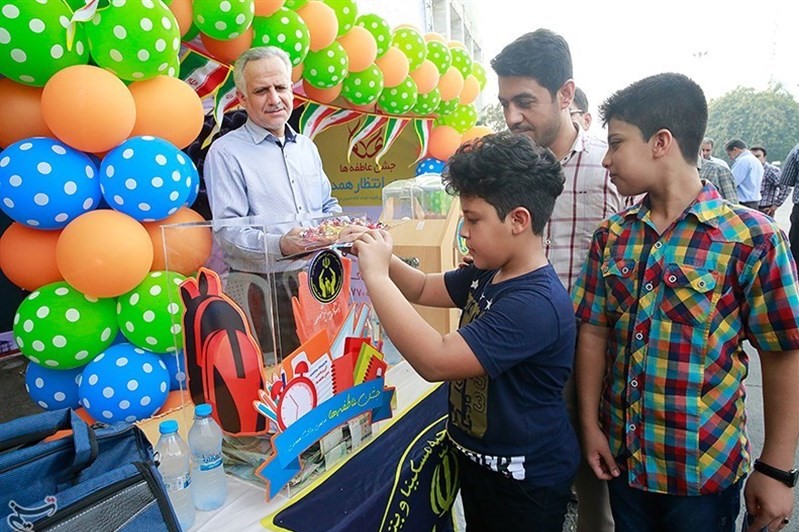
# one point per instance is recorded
(246, 506)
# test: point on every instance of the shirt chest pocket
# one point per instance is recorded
(620, 280)
(688, 294)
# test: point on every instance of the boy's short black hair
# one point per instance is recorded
(759, 148)
(542, 55)
(664, 101)
(735, 143)
(507, 171)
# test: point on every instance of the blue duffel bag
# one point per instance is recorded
(94, 479)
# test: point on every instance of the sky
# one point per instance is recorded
(721, 45)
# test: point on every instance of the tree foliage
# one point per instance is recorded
(493, 117)
(767, 118)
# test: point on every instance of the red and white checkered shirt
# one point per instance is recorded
(588, 198)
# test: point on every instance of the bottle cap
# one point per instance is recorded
(203, 409)
(168, 427)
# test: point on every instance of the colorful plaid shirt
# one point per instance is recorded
(677, 306)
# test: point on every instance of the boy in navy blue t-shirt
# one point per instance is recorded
(509, 359)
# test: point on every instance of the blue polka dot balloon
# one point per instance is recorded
(147, 178)
(190, 171)
(430, 165)
(124, 383)
(52, 389)
(175, 367)
(45, 184)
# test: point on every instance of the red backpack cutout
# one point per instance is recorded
(224, 363)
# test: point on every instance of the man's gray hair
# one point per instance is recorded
(708, 140)
(256, 54)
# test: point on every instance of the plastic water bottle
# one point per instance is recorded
(205, 442)
(174, 467)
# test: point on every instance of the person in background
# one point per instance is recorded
(707, 152)
(671, 289)
(536, 91)
(747, 171)
(720, 176)
(772, 194)
(267, 170)
(506, 366)
(579, 109)
(790, 178)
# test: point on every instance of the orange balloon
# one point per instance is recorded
(321, 95)
(456, 44)
(27, 256)
(433, 36)
(104, 253)
(88, 108)
(368, 108)
(188, 247)
(394, 66)
(470, 91)
(426, 76)
(267, 8)
(183, 13)
(444, 140)
(475, 133)
(322, 23)
(168, 108)
(20, 112)
(296, 72)
(361, 48)
(450, 84)
(228, 51)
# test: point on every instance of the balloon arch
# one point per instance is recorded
(97, 100)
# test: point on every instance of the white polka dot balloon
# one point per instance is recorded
(58, 327)
(135, 39)
(150, 315)
(223, 19)
(147, 178)
(45, 184)
(124, 383)
(285, 29)
(52, 389)
(33, 40)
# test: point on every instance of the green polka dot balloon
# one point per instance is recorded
(363, 88)
(461, 60)
(135, 39)
(479, 72)
(346, 13)
(150, 315)
(326, 68)
(400, 99)
(447, 106)
(411, 43)
(462, 118)
(379, 29)
(223, 19)
(285, 30)
(33, 40)
(439, 54)
(427, 104)
(295, 4)
(60, 328)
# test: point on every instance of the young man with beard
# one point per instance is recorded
(536, 90)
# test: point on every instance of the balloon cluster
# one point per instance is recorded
(92, 122)
(356, 60)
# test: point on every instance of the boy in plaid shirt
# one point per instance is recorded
(671, 288)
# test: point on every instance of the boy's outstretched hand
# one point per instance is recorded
(373, 249)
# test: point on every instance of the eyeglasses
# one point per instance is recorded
(576, 112)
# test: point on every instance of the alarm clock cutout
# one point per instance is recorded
(287, 401)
